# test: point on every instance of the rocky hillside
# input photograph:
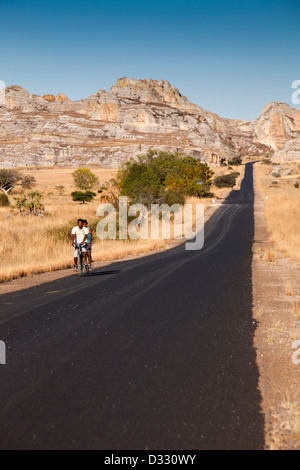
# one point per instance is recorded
(108, 128)
(276, 126)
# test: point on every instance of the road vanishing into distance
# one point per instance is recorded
(155, 353)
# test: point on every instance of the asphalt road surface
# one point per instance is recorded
(155, 353)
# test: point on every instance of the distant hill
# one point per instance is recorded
(108, 128)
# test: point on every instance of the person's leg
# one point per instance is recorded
(75, 259)
(89, 253)
(84, 253)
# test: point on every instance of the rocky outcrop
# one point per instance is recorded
(49, 98)
(290, 151)
(61, 97)
(277, 124)
(108, 128)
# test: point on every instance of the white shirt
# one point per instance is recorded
(79, 234)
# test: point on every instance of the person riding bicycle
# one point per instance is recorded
(89, 243)
(79, 237)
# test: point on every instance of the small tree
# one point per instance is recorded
(158, 177)
(79, 196)
(8, 180)
(85, 179)
(28, 182)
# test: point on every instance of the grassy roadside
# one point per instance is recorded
(282, 209)
(25, 248)
(276, 300)
(276, 281)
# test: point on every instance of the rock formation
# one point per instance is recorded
(290, 151)
(61, 97)
(277, 124)
(108, 128)
(49, 98)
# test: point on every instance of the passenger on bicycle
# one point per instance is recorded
(89, 243)
(79, 237)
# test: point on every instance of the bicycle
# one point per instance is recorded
(82, 268)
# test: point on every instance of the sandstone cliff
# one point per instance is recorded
(290, 151)
(277, 124)
(108, 128)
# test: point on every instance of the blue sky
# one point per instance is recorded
(230, 57)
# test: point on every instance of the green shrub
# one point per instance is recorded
(296, 185)
(174, 197)
(4, 201)
(235, 161)
(158, 177)
(226, 181)
(79, 196)
(30, 204)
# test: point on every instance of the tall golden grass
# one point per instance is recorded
(282, 209)
(25, 248)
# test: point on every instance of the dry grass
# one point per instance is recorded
(25, 248)
(259, 312)
(289, 290)
(270, 255)
(296, 309)
(282, 209)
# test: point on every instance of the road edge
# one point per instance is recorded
(276, 331)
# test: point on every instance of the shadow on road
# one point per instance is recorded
(103, 273)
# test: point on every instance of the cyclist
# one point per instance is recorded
(79, 237)
(89, 242)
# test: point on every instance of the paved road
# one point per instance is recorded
(155, 353)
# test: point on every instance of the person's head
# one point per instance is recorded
(85, 223)
(80, 223)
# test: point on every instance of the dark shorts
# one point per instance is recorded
(89, 247)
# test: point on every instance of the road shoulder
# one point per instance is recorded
(276, 287)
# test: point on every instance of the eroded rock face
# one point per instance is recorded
(49, 98)
(290, 151)
(108, 128)
(277, 124)
(61, 97)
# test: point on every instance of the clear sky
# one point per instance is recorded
(230, 57)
